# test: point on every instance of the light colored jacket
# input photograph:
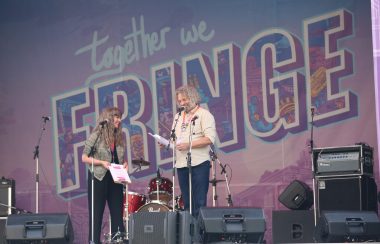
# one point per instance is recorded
(102, 152)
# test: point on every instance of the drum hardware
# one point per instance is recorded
(137, 163)
(179, 204)
(158, 183)
(118, 237)
(140, 162)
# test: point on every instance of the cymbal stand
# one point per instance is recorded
(36, 157)
(224, 172)
(158, 183)
(173, 138)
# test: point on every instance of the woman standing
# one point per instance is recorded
(105, 146)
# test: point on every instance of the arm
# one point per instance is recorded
(88, 160)
(87, 149)
(199, 143)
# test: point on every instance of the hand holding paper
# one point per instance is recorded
(119, 174)
(161, 140)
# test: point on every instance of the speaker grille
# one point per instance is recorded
(152, 227)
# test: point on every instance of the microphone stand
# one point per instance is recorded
(312, 164)
(224, 172)
(36, 157)
(126, 211)
(214, 180)
(91, 154)
(192, 123)
(173, 138)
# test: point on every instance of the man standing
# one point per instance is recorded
(202, 125)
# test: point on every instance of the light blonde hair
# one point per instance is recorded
(190, 92)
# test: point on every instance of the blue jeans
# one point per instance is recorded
(199, 182)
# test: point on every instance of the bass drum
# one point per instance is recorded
(154, 207)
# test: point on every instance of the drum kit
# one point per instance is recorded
(159, 196)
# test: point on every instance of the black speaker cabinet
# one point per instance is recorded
(347, 226)
(297, 196)
(235, 225)
(3, 221)
(355, 193)
(188, 228)
(152, 227)
(7, 196)
(293, 226)
(52, 228)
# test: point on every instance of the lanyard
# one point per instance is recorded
(184, 125)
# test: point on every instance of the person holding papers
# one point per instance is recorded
(104, 146)
(202, 124)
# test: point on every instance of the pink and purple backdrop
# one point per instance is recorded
(260, 67)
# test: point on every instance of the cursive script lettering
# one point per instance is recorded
(196, 33)
(137, 44)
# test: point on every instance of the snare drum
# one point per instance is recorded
(154, 207)
(165, 189)
(135, 201)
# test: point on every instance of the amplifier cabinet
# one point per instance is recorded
(341, 161)
(354, 193)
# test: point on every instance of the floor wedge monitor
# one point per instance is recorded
(235, 225)
(52, 228)
(347, 226)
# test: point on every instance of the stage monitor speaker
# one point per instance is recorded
(52, 228)
(347, 226)
(236, 225)
(152, 227)
(293, 226)
(297, 196)
(354, 193)
(7, 196)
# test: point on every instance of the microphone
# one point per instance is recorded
(194, 118)
(46, 118)
(180, 109)
(102, 123)
(312, 109)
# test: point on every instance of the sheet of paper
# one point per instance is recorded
(119, 174)
(161, 140)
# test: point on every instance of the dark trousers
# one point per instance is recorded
(105, 191)
(200, 183)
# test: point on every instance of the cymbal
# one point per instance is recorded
(140, 162)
